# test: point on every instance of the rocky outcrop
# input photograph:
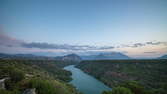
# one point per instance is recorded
(2, 83)
(29, 91)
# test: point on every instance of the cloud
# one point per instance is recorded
(9, 44)
(84, 47)
(64, 46)
(107, 47)
(150, 52)
(8, 41)
(156, 43)
(13, 43)
(138, 45)
(135, 45)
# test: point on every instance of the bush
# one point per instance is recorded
(135, 87)
(42, 86)
(3, 91)
(107, 92)
(118, 90)
(14, 74)
(17, 75)
(121, 90)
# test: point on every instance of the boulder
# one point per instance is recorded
(2, 83)
(29, 91)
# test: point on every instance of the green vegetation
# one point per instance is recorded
(44, 68)
(140, 76)
(50, 87)
(46, 76)
(119, 90)
(133, 87)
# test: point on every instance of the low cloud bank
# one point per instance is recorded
(13, 45)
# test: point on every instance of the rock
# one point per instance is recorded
(2, 83)
(29, 91)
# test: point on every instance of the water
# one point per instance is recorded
(86, 83)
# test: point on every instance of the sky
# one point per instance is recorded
(137, 28)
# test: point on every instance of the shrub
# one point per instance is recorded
(3, 91)
(118, 90)
(42, 86)
(107, 92)
(17, 75)
(121, 90)
(135, 87)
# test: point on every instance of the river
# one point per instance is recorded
(84, 82)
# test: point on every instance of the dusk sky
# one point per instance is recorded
(137, 28)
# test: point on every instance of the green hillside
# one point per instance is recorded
(150, 74)
(46, 76)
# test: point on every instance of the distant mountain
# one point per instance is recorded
(70, 57)
(2, 55)
(106, 56)
(163, 57)
(48, 54)
(24, 56)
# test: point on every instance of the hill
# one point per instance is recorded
(149, 73)
(70, 57)
(24, 56)
(45, 76)
(67, 58)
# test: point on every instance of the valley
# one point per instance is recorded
(70, 74)
(83, 46)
